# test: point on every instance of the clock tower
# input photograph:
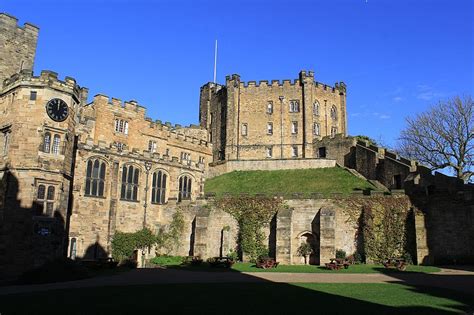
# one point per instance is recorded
(38, 119)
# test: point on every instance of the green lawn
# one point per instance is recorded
(250, 267)
(241, 298)
(284, 182)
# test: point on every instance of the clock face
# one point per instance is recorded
(57, 109)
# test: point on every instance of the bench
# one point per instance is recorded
(266, 262)
(226, 262)
(337, 264)
(192, 260)
(398, 263)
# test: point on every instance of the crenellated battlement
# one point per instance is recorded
(10, 23)
(46, 78)
(166, 129)
(305, 77)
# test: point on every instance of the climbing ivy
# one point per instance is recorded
(169, 238)
(123, 244)
(382, 222)
(252, 213)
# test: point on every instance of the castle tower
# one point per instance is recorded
(17, 46)
(271, 120)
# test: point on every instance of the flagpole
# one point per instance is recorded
(215, 62)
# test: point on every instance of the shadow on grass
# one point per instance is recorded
(175, 290)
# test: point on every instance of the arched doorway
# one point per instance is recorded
(313, 240)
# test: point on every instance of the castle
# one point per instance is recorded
(74, 172)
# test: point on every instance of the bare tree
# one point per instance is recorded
(442, 137)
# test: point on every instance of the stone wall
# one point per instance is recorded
(267, 165)
(17, 46)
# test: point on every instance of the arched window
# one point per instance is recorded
(334, 112)
(316, 129)
(56, 142)
(316, 108)
(125, 127)
(130, 176)
(95, 178)
(47, 142)
(185, 185)
(158, 187)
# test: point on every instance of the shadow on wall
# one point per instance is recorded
(447, 223)
(28, 236)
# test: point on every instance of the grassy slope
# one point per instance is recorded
(323, 180)
(241, 298)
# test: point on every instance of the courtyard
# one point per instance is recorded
(369, 290)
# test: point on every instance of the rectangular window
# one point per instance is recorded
(316, 130)
(201, 160)
(152, 146)
(294, 127)
(333, 131)
(269, 152)
(6, 139)
(45, 197)
(270, 107)
(244, 130)
(294, 151)
(121, 126)
(185, 156)
(33, 95)
(294, 106)
(269, 128)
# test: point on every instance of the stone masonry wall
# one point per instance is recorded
(267, 165)
(17, 46)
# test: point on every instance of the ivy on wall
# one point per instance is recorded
(252, 214)
(124, 244)
(383, 225)
(169, 238)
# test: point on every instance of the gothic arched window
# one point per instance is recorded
(47, 142)
(56, 143)
(130, 176)
(316, 108)
(334, 112)
(158, 187)
(185, 185)
(95, 178)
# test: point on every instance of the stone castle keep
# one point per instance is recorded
(73, 172)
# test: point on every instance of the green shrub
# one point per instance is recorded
(340, 254)
(304, 250)
(408, 258)
(233, 255)
(166, 260)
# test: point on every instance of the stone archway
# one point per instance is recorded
(313, 240)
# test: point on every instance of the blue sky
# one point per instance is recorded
(396, 56)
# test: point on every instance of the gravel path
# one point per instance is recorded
(447, 278)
